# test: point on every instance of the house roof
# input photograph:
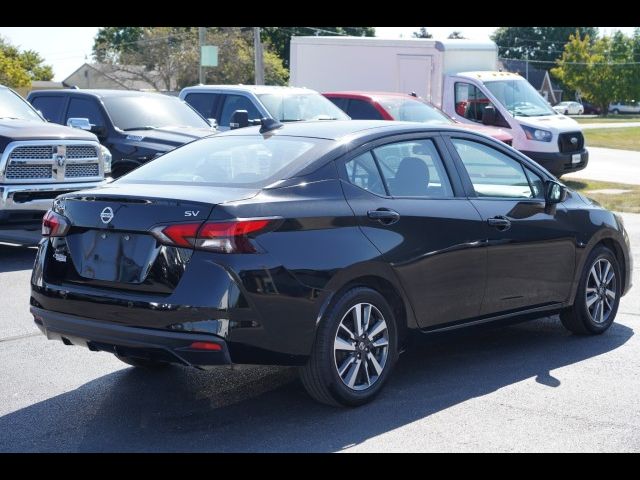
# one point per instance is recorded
(128, 76)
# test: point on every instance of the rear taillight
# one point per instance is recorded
(222, 237)
(54, 225)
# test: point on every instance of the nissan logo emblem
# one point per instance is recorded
(574, 140)
(106, 215)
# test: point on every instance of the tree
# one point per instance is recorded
(280, 37)
(543, 44)
(422, 33)
(18, 69)
(170, 57)
(602, 71)
(456, 35)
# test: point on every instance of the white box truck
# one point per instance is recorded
(459, 76)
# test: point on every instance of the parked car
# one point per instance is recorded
(135, 126)
(624, 107)
(569, 108)
(285, 104)
(39, 161)
(591, 109)
(322, 244)
(403, 107)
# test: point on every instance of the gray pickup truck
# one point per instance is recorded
(38, 162)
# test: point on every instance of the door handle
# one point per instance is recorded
(384, 216)
(501, 223)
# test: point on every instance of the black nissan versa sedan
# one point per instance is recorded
(322, 245)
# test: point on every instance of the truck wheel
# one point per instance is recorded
(354, 352)
(598, 295)
(143, 362)
(615, 111)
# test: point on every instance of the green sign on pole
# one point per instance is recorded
(208, 56)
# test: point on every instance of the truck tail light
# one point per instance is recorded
(54, 225)
(223, 237)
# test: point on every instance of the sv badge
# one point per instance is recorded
(191, 213)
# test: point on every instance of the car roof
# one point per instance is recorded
(257, 89)
(365, 94)
(100, 93)
(338, 129)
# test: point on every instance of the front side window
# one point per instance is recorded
(362, 171)
(86, 108)
(147, 112)
(288, 107)
(237, 102)
(492, 173)
(251, 161)
(470, 101)
(413, 169)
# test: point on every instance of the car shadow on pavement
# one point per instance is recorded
(13, 259)
(266, 408)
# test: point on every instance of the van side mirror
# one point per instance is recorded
(554, 192)
(239, 119)
(81, 123)
(489, 115)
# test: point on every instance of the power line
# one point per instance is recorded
(573, 63)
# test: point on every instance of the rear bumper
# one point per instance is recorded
(560, 163)
(38, 197)
(137, 342)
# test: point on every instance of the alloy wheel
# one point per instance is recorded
(361, 346)
(600, 295)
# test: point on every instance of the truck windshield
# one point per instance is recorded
(304, 106)
(520, 98)
(13, 106)
(409, 110)
(145, 112)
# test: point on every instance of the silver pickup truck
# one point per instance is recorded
(38, 162)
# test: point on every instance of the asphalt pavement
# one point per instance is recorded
(527, 387)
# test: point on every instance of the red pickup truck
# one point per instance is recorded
(405, 107)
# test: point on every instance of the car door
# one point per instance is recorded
(410, 204)
(531, 247)
(89, 107)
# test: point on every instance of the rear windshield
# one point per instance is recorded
(409, 110)
(145, 112)
(236, 161)
(301, 106)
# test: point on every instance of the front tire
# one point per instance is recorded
(598, 295)
(355, 350)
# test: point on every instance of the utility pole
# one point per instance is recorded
(258, 59)
(201, 40)
(526, 65)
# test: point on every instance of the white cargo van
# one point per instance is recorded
(459, 76)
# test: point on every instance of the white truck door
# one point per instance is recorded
(414, 75)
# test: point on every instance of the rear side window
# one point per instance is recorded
(237, 102)
(86, 108)
(340, 102)
(51, 107)
(362, 110)
(249, 161)
(363, 172)
(206, 104)
(413, 169)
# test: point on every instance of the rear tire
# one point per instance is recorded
(349, 364)
(143, 362)
(615, 111)
(597, 299)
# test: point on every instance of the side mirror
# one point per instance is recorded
(489, 115)
(213, 123)
(239, 119)
(81, 123)
(554, 192)
(98, 130)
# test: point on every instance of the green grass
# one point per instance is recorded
(609, 119)
(624, 138)
(620, 202)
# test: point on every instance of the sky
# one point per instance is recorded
(67, 48)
